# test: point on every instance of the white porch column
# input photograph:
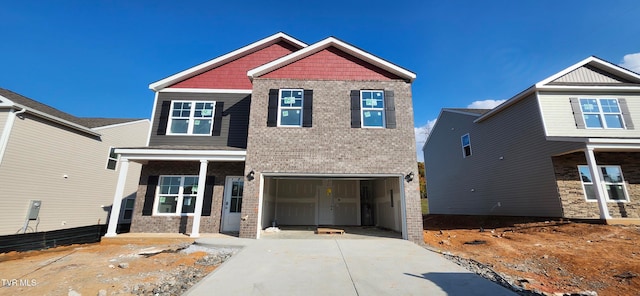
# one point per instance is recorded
(117, 198)
(195, 230)
(597, 183)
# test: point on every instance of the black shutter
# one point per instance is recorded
(355, 109)
(150, 195)
(272, 113)
(628, 124)
(164, 117)
(577, 112)
(217, 119)
(389, 109)
(307, 109)
(208, 196)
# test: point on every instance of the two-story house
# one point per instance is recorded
(58, 171)
(280, 132)
(565, 147)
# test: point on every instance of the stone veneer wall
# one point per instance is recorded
(331, 146)
(572, 194)
(183, 224)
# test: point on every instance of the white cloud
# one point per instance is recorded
(422, 132)
(486, 104)
(631, 62)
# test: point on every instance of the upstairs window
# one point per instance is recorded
(612, 180)
(602, 113)
(466, 145)
(372, 106)
(290, 107)
(191, 117)
(373, 109)
(112, 159)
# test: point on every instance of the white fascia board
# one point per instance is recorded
(130, 151)
(184, 155)
(206, 90)
(60, 121)
(507, 103)
(4, 102)
(331, 41)
(595, 60)
(121, 124)
(614, 146)
(158, 85)
(317, 175)
(595, 141)
(597, 88)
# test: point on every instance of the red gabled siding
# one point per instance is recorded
(331, 64)
(233, 75)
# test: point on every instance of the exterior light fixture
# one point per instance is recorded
(250, 175)
(409, 177)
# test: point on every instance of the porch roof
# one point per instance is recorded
(182, 153)
(601, 144)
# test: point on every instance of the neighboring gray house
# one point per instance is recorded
(280, 132)
(64, 162)
(565, 147)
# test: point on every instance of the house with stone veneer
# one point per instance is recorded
(279, 132)
(565, 147)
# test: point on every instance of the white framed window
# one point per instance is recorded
(612, 180)
(176, 195)
(602, 113)
(191, 117)
(290, 105)
(372, 108)
(466, 145)
(112, 159)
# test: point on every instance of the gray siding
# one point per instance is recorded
(233, 128)
(587, 74)
(510, 164)
(559, 120)
(38, 157)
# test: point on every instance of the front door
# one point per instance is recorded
(325, 206)
(232, 204)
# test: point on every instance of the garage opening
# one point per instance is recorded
(364, 205)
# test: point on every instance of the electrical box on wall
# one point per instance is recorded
(34, 209)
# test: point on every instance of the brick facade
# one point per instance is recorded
(571, 193)
(183, 224)
(331, 145)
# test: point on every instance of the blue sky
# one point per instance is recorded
(97, 58)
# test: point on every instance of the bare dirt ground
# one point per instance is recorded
(136, 266)
(545, 257)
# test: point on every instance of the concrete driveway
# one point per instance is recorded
(376, 266)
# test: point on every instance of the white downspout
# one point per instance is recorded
(4, 137)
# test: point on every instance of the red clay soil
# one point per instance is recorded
(547, 256)
(89, 268)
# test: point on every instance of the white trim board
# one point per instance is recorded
(328, 42)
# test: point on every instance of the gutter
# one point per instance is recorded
(58, 120)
